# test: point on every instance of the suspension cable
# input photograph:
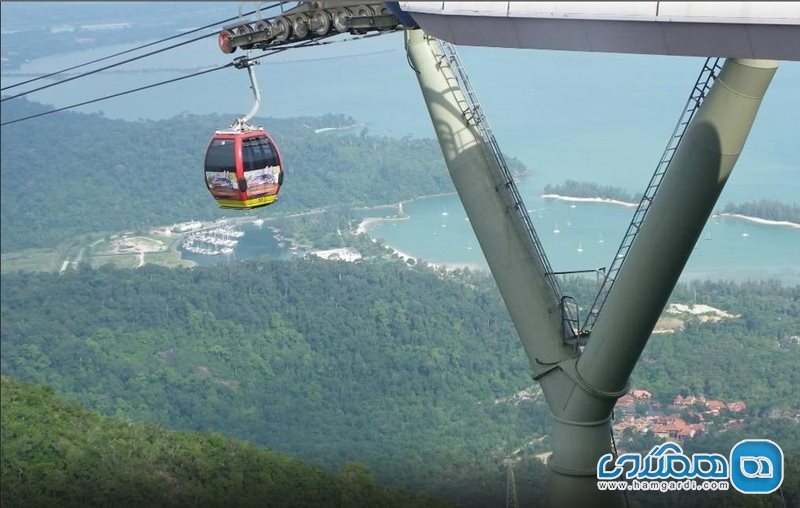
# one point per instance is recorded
(183, 34)
(100, 69)
(314, 42)
(153, 85)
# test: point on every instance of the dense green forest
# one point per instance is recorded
(575, 189)
(332, 362)
(766, 209)
(400, 368)
(113, 175)
(56, 453)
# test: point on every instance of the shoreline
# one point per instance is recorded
(405, 201)
(367, 222)
(449, 267)
(759, 220)
(606, 201)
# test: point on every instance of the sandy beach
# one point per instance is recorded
(590, 200)
(444, 266)
(758, 220)
(366, 223)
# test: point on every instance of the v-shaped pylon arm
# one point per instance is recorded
(582, 390)
(472, 164)
(681, 207)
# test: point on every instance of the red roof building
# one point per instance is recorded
(626, 401)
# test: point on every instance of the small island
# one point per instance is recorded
(572, 190)
(765, 211)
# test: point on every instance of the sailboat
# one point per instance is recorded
(469, 246)
(601, 240)
(580, 247)
(444, 212)
(556, 230)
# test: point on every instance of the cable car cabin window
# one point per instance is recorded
(257, 153)
(220, 156)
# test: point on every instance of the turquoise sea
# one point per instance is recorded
(584, 116)
(729, 248)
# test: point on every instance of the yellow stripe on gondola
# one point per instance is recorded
(247, 203)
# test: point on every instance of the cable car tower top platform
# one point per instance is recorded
(768, 30)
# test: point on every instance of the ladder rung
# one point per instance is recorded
(701, 87)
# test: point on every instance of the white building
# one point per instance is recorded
(343, 254)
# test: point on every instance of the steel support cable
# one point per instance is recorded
(119, 94)
(100, 69)
(315, 42)
(184, 34)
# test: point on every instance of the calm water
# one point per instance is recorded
(585, 116)
(728, 249)
(257, 242)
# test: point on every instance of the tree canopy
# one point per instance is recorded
(56, 453)
(404, 369)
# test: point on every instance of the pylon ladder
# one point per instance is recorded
(706, 78)
(504, 180)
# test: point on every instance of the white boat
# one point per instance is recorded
(556, 230)
(444, 212)
(580, 247)
(745, 235)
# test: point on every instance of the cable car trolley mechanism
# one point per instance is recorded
(243, 168)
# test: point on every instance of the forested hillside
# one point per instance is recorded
(56, 453)
(332, 362)
(105, 175)
(766, 209)
(90, 174)
(575, 189)
(400, 368)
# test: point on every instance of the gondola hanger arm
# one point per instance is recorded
(244, 62)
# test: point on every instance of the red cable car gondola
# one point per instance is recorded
(243, 168)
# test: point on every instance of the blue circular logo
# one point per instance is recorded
(756, 466)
